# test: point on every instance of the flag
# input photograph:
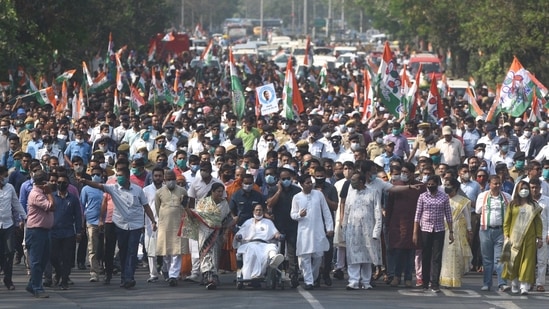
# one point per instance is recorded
(248, 67)
(368, 97)
(46, 96)
(535, 114)
(100, 83)
(405, 88)
(322, 82)
(292, 104)
(43, 83)
(117, 105)
(308, 60)
(474, 109)
(65, 76)
(136, 100)
(62, 104)
(516, 92)
(152, 51)
(389, 82)
(119, 73)
(495, 108)
(413, 95)
(543, 90)
(168, 37)
(87, 77)
(356, 100)
(78, 108)
(434, 101)
(472, 82)
(207, 53)
(121, 51)
(239, 104)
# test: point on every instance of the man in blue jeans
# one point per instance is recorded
(40, 219)
(130, 204)
(491, 206)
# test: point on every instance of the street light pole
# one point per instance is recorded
(261, 19)
(182, 16)
(304, 17)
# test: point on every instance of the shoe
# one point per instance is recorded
(152, 279)
(351, 287)
(338, 274)
(294, 282)
(192, 278)
(129, 284)
(41, 294)
(276, 260)
(64, 286)
(56, 280)
(9, 285)
(367, 287)
(435, 289)
(172, 282)
(540, 288)
(47, 283)
(395, 282)
(327, 280)
(419, 282)
(408, 283)
(17, 260)
(504, 288)
(523, 292)
(485, 288)
(93, 278)
(29, 289)
(317, 283)
(211, 286)
(81, 266)
(309, 287)
(69, 281)
(107, 281)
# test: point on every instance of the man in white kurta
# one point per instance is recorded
(150, 236)
(257, 252)
(362, 231)
(169, 208)
(543, 252)
(310, 210)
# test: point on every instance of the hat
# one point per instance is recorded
(491, 127)
(480, 145)
(543, 125)
(124, 148)
(335, 137)
(147, 121)
(230, 147)
(302, 143)
(424, 125)
(479, 118)
(29, 120)
(389, 142)
(350, 122)
(433, 151)
(21, 111)
(519, 122)
(519, 156)
(159, 136)
(236, 141)
(98, 152)
(142, 148)
(447, 130)
(503, 141)
(17, 155)
(379, 161)
(507, 124)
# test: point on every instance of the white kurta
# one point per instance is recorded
(362, 226)
(150, 236)
(311, 232)
(255, 254)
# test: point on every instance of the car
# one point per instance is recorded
(213, 62)
(345, 59)
(458, 88)
(430, 64)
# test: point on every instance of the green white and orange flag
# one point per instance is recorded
(46, 96)
(64, 102)
(495, 108)
(389, 83)
(87, 76)
(405, 88)
(292, 104)
(474, 109)
(100, 83)
(413, 94)
(515, 95)
(207, 53)
(434, 102)
(535, 113)
(239, 104)
(78, 108)
(65, 76)
(119, 73)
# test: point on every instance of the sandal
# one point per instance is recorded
(540, 288)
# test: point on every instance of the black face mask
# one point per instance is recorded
(448, 190)
(336, 144)
(320, 181)
(432, 189)
(339, 175)
(63, 187)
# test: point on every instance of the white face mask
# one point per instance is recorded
(396, 178)
(420, 132)
(103, 165)
(258, 217)
(524, 193)
(480, 154)
(404, 178)
(355, 146)
(465, 177)
(61, 136)
(285, 127)
(527, 134)
(379, 140)
(327, 134)
(351, 130)
(170, 184)
(424, 178)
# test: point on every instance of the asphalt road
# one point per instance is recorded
(84, 294)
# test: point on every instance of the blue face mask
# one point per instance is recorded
(436, 159)
(504, 148)
(373, 177)
(396, 132)
(492, 134)
(136, 171)
(270, 179)
(286, 182)
(181, 163)
(17, 164)
(519, 165)
(545, 173)
(96, 178)
(195, 168)
(146, 136)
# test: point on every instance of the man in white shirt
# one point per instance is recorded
(543, 252)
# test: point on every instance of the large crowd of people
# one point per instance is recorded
(367, 199)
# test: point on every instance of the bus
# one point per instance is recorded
(270, 24)
(238, 32)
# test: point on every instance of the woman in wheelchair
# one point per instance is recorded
(256, 236)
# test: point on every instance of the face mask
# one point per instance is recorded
(350, 129)
(162, 164)
(136, 171)
(545, 173)
(404, 178)
(379, 140)
(396, 132)
(103, 165)
(195, 168)
(252, 171)
(79, 141)
(286, 183)
(247, 188)
(492, 134)
(53, 186)
(285, 127)
(395, 178)
(96, 178)
(17, 164)
(420, 132)
(373, 177)
(170, 184)
(355, 146)
(436, 159)
(258, 217)
(29, 126)
(270, 179)
(519, 165)
(61, 137)
(465, 177)
(527, 134)
(336, 144)
(524, 193)
(480, 154)
(121, 180)
(432, 189)
(424, 178)
(319, 181)
(79, 169)
(448, 190)
(5, 181)
(146, 136)
(63, 187)
(542, 131)
(342, 127)
(504, 148)
(327, 134)
(181, 163)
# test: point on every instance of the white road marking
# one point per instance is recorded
(310, 298)
(503, 304)
(460, 293)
